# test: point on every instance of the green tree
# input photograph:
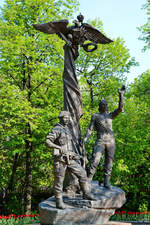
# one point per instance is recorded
(132, 166)
(103, 69)
(145, 29)
(31, 67)
(101, 73)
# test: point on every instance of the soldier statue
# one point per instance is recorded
(102, 123)
(65, 157)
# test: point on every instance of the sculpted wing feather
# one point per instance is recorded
(95, 35)
(54, 27)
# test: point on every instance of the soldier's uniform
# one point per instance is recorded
(66, 159)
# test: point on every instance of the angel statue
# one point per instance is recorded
(74, 36)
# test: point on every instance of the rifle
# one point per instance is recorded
(66, 154)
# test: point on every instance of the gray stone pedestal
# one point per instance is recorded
(79, 211)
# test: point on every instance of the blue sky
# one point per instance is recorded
(120, 19)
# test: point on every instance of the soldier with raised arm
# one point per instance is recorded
(65, 156)
(102, 123)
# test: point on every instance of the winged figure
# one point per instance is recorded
(75, 35)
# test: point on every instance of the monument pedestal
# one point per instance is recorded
(79, 211)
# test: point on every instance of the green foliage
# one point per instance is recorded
(145, 29)
(101, 73)
(132, 137)
(31, 87)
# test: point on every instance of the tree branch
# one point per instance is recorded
(15, 81)
(43, 81)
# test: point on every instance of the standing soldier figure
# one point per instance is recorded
(102, 123)
(65, 156)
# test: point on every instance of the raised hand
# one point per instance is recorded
(122, 90)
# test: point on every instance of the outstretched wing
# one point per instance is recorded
(54, 27)
(94, 35)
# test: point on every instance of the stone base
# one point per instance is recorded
(76, 217)
(79, 211)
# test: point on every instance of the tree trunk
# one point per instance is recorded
(91, 91)
(11, 181)
(8, 192)
(28, 194)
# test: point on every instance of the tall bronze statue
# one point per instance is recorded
(65, 157)
(65, 137)
(74, 36)
(102, 123)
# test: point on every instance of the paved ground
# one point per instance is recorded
(130, 222)
(118, 223)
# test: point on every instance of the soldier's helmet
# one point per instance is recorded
(64, 113)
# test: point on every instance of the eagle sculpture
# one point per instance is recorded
(75, 35)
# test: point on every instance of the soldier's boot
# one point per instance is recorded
(107, 181)
(86, 194)
(59, 203)
(90, 177)
(89, 196)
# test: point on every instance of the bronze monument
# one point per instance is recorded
(65, 139)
